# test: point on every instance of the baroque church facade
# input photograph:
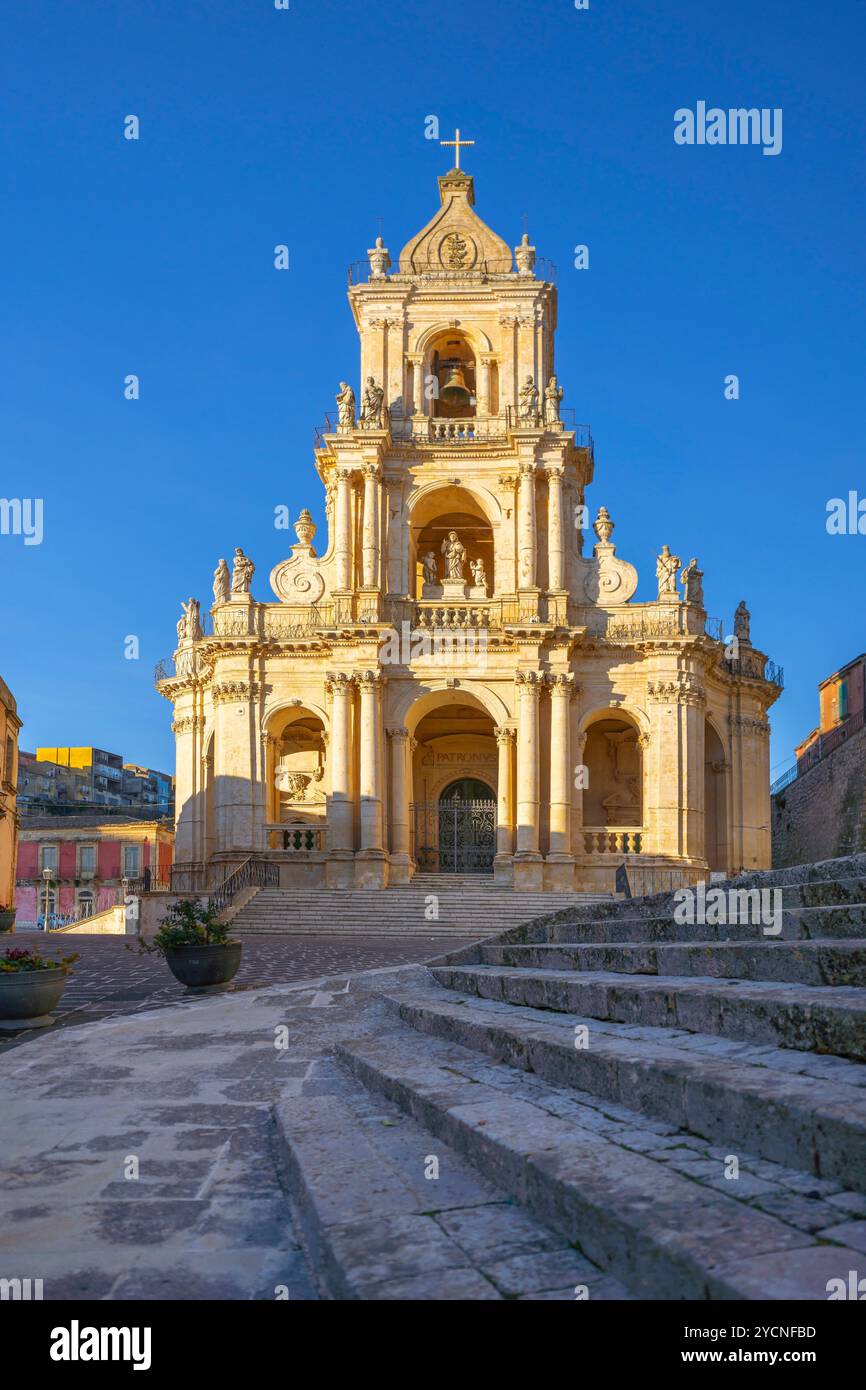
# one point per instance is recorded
(461, 681)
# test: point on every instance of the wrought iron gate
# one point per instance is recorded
(455, 837)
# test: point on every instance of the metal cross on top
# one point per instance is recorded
(457, 142)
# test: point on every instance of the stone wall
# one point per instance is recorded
(822, 814)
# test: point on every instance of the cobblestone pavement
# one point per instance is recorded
(110, 980)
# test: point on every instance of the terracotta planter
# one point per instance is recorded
(204, 967)
(28, 996)
(7, 919)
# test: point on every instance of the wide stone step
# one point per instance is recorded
(822, 962)
(797, 924)
(389, 1212)
(652, 1222)
(786, 1106)
(797, 1016)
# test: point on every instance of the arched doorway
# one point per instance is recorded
(715, 801)
(467, 827)
(454, 787)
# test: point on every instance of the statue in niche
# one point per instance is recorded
(479, 578)
(529, 401)
(243, 570)
(692, 580)
(742, 622)
(455, 557)
(371, 411)
(189, 625)
(221, 582)
(430, 568)
(667, 566)
(345, 408)
(553, 394)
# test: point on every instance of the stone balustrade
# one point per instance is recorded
(607, 839)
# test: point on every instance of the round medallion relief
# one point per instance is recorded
(457, 251)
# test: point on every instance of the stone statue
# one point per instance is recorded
(479, 578)
(553, 394)
(455, 556)
(692, 580)
(380, 261)
(221, 582)
(667, 566)
(431, 571)
(189, 626)
(346, 408)
(529, 401)
(742, 622)
(524, 254)
(242, 573)
(371, 412)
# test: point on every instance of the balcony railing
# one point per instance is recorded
(358, 273)
(298, 839)
(609, 839)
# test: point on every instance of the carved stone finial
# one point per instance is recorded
(603, 526)
(524, 254)
(305, 528)
(380, 261)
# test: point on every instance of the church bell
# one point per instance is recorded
(454, 389)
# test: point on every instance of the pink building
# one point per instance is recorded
(88, 855)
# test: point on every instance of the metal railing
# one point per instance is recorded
(358, 272)
(825, 744)
(259, 873)
(152, 881)
(785, 780)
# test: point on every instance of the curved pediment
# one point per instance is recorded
(456, 241)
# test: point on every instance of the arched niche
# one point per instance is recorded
(716, 848)
(296, 775)
(452, 365)
(613, 758)
(450, 508)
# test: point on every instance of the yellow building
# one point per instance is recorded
(9, 726)
(461, 681)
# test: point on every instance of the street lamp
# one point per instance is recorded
(46, 875)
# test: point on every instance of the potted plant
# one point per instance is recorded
(30, 987)
(7, 918)
(197, 948)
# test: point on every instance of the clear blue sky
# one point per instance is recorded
(304, 126)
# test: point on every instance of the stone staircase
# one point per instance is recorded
(619, 1106)
(457, 904)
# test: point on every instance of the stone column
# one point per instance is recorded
(528, 866)
(414, 383)
(370, 556)
(400, 857)
(341, 810)
(555, 560)
(559, 871)
(504, 807)
(370, 862)
(526, 527)
(343, 531)
(189, 789)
